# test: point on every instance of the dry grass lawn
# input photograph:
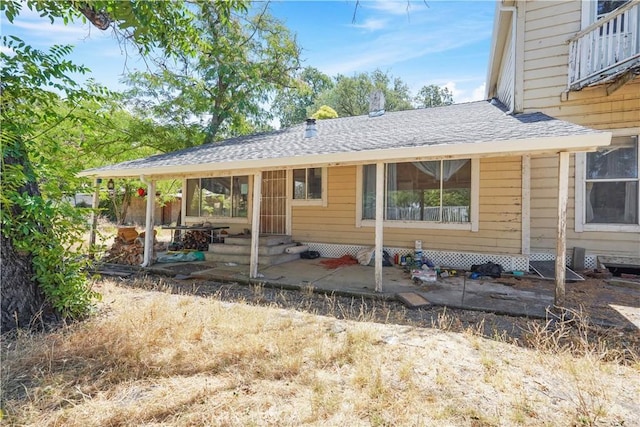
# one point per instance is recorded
(152, 358)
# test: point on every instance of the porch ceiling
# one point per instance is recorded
(475, 129)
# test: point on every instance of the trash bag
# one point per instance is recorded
(386, 259)
(488, 269)
(366, 256)
(181, 257)
(309, 254)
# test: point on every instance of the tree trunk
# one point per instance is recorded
(23, 303)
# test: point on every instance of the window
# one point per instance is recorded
(307, 184)
(612, 187)
(218, 197)
(604, 7)
(607, 6)
(435, 191)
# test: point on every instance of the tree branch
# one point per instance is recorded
(99, 19)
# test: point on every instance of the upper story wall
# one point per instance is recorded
(548, 25)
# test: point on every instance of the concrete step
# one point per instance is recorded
(230, 249)
(265, 240)
(246, 259)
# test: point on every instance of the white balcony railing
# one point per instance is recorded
(605, 49)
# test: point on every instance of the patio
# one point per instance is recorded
(606, 303)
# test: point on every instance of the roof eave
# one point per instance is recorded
(540, 145)
(498, 41)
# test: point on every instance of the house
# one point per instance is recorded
(450, 176)
(577, 61)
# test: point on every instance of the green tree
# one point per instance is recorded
(325, 112)
(433, 96)
(291, 104)
(40, 273)
(350, 95)
(42, 278)
(225, 85)
(396, 92)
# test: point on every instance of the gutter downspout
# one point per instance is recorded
(514, 21)
(149, 220)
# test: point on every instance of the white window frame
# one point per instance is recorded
(589, 13)
(189, 219)
(581, 178)
(472, 225)
(322, 201)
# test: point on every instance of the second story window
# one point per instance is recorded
(603, 8)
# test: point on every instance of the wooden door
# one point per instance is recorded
(273, 204)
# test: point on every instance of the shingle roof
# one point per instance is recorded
(467, 123)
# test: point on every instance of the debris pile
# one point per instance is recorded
(128, 247)
(196, 239)
(339, 262)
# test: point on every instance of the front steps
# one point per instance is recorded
(237, 249)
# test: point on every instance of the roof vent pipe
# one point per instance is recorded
(376, 104)
(311, 130)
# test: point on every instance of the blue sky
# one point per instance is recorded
(441, 42)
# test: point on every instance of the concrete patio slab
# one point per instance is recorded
(523, 296)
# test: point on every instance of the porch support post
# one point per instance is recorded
(149, 221)
(95, 204)
(526, 206)
(379, 229)
(255, 224)
(561, 238)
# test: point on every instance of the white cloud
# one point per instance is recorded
(372, 24)
(454, 90)
(6, 50)
(397, 46)
(40, 31)
(465, 95)
(394, 7)
(400, 38)
(46, 28)
(479, 92)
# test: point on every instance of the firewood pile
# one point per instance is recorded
(196, 239)
(128, 247)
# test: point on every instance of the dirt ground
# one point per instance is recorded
(614, 301)
(593, 302)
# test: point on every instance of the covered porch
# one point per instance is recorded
(473, 133)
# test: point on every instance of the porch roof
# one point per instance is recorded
(471, 129)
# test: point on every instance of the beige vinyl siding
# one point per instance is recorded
(592, 107)
(334, 223)
(548, 26)
(544, 200)
(506, 76)
(500, 215)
